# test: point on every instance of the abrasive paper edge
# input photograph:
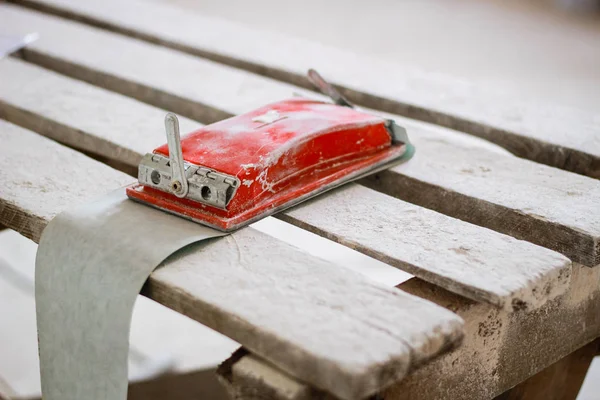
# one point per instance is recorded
(91, 264)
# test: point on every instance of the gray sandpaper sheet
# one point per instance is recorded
(91, 263)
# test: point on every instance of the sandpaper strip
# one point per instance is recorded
(91, 264)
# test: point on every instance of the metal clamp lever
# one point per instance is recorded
(397, 132)
(327, 89)
(179, 183)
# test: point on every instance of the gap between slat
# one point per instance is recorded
(498, 121)
(325, 325)
(455, 258)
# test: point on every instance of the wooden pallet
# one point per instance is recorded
(462, 216)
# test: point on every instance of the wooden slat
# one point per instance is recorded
(475, 262)
(544, 205)
(186, 84)
(33, 190)
(553, 135)
(216, 91)
(323, 324)
(499, 350)
(207, 91)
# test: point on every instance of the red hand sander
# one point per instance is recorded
(236, 171)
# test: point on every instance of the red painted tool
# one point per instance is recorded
(237, 171)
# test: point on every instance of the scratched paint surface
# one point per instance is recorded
(261, 138)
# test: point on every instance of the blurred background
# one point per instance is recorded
(538, 49)
(546, 49)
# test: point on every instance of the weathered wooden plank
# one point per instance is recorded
(31, 195)
(207, 91)
(48, 103)
(559, 136)
(499, 350)
(544, 205)
(163, 82)
(291, 308)
(477, 263)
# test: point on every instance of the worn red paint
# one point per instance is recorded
(308, 147)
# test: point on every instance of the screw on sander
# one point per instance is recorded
(174, 175)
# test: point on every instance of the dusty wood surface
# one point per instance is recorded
(500, 350)
(182, 306)
(75, 113)
(304, 310)
(526, 200)
(463, 258)
(206, 91)
(475, 262)
(290, 307)
(47, 102)
(543, 133)
(214, 91)
(560, 381)
(34, 188)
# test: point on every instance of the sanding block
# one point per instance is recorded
(236, 171)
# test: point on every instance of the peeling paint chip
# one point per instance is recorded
(268, 118)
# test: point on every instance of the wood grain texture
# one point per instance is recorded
(48, 103)
(39, 179)
(559, 136)
(558, 231)
(150, 73)
(544, 205)
(499, 350)
(185, 85)
(291, 308)
(475, 262)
